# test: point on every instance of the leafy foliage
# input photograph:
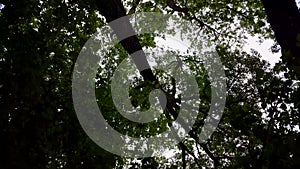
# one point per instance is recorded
(40, 41)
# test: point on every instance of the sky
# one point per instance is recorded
(252, 43)
(263, 48)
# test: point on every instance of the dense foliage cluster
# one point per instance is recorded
(40, 42)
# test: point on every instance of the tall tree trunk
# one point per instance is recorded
(114, 9)
(284, 17)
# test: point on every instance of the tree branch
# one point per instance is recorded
(183, 146)
(114, 9)
(177, 8)
(183, 159)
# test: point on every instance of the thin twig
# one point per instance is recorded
(177, 8)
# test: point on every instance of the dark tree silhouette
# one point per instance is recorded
(284, 17)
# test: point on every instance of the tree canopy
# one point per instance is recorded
(41, 40)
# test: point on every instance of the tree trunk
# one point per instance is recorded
(284, 17)
(114, 9)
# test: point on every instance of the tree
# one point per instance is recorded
(40, 41)
(284, 18)
(39, 127)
